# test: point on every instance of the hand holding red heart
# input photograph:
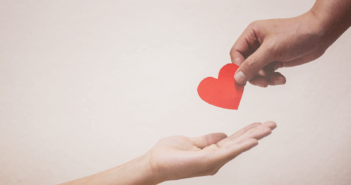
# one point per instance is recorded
(267, 45)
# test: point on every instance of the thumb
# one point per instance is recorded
(207, 140)
(254, 63)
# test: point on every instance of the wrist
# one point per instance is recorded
(150, 176)
(319, 29)
(138, 172)
(332, 18)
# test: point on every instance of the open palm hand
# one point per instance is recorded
(180, 157)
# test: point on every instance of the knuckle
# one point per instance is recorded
(272, 47)
(254, 24)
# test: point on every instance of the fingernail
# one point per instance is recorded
(279, 81)
(240, 77)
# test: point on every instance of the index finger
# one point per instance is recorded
(244, 46)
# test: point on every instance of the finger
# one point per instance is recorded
(271, 124)
(260, 81)
(237, 57)
(207, 140)
(258, 132)
(276, 79)
(262, 72)
(254, 63)
(267, 70)
(244, 46)
(238, 133)
(242, 142)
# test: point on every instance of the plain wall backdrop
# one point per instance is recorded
(89, 85)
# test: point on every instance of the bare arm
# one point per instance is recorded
(267, 45)
(133, 172)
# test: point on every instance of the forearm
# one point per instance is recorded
(334, 18)
(135, 172)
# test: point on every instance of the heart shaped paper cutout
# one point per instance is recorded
(223, 92)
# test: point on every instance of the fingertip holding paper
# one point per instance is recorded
(223, 92)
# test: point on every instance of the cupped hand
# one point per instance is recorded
(181, 157)
(267, 45)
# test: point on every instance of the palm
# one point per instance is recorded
(182, 157)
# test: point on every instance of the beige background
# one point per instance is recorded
(88, 85)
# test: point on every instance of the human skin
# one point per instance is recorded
(268, 45)
(181, 157)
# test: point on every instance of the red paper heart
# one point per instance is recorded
(222, 92)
